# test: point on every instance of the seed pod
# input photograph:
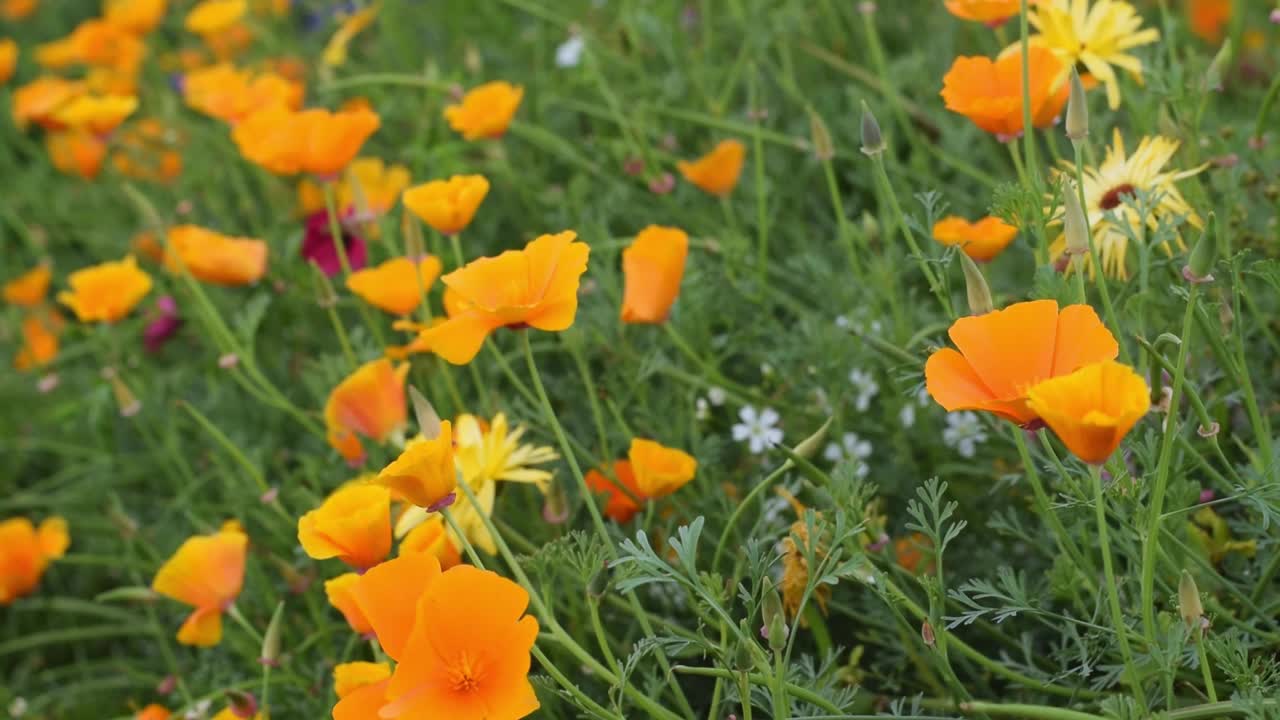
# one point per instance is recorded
(1218, 68)
(872, 140)
(1074, 223)
(809, 445)
(271, 638)
(1077, 110)
(1189, 601)
(980, 302)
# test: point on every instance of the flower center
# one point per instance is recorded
(465, 675)
(1113, 197)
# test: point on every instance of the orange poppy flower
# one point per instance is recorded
(17, 9)
(371, 187)
(94, 42)
(397, 285)
(229, 713)
(38, 100)
(653, 266)
(153, 712)
(1004, 353)
(135, 16)
(349, 677)
(910, 551)
(433, 538)
(29, 288)
(485, 111)
(314, 141)
(39, 342)
(214, 257)
(424, 474)
(215, 16)
(25, 552)
(369, 402)
(660, 470)
(224, 92)
(340, 592)
(534, 287)
(98, 114)
(1209, 18)
(716, 172)
(206, 573)
(429, 622)
(76, 153)
(982, 241)
(106, 292)
(1093, 408)
(353, 524)
(146, 150)
(447, 205)
(992, 12)
(989, 93)
(8, 59)
(619, 505)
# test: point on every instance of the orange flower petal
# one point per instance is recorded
(362, 703)
(388, 594)
(1011, 348)
(718, 171)
(341, 594)
(207, 571)
(653, 266)
(394, 286)
(353, 524)
(202, 628)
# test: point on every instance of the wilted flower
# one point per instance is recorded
(982, 240)
(716, 172)
(25, 553)
(164, 324)
(653, 266)
(485, 111)
(106, 292)
(206, 573)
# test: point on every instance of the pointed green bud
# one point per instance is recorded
(1077, 110)
(271, 638)
(975, 284)
(820, 137)
(1203, 255)
(774, 616)
(428, 419)
(809, 445)
(1218, 68)
(746, 652)
(872, 140)
(415, 248)
(1189, 601)
(1074, 223)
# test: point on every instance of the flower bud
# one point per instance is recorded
(128, 403)
(744, 655)
(242, 704)
(872, 140)
(1074, 223)
(975, 285)
(809, 445)
(1203, 255)
(1189, 601)
(775, 617)
(1218, 68)
(271, 638)
(428, 420)
(415, 247)
(1077, 110)
(927, 635)
(823, 149)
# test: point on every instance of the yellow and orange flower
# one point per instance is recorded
(39, 341)
(8, 59)
(349, 677)
(25, 553)
(353, 524)
(447, 205)
(428, 621)
(17, 9)
(982, 240)
(621, 491)
(535, 287)
(206, 573)
(212, 17)
(1209, 18)
(148, 150)
(1002, 354)
(214, 257)
(76, 152)
(485, 111)
(653, 266)
(660, 470)
(37, 101)
(718, 171)
(1093, 408)
(989, 93)
(222, 91)
(397, 285)
(991, 12)
(433, 538)
(106, 292)
(98, 43)
(97, 114)
(371, 187)
(135, 16)
(341, 594)
(370, 402)
(313, 141)
(424, 474)
(30, 288)
(153, 712)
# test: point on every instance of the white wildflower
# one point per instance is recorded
(866, 387)
(569, 53)
(964, 433)
(757, 428)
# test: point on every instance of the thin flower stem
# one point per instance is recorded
(1028, 136)
(340, 246)
(602, 639)
(1171, 430)
(1205, 671)
(234, 613)
(744, 690)
(572, 687)
(1113, 593)
(1025, 712)
(1100, 277)
(801, 693)
(343, 341)
(597, 519)
(900, 218)
(781, 705)
(762, 202)
(593, 399)
(741, 507)
(1063, 538)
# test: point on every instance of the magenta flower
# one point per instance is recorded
(163, 325)
(318, 247)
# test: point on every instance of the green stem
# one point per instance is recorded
(900, 218)
(744, 690)
(602, 639)
(799, 692)
(1063, 538)
(781, 706)
(1025, 712)
(741, 507)
(340, 246)
(1113, 593)
(1205, 671)
(1210, 710)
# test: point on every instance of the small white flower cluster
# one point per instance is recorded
(964, 433)
(851, 448)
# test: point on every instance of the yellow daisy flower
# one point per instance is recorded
(1121, 175)
(1094, 38)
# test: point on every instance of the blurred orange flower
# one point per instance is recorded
(353, 524)
(1093, 408)
(485, 111)
(424, 474)
(206, 573)
(660, 470)
(427, 621)
(148, 150)
(38, 100)
(1209, 18)
(25, 552)
(8, 59)
(989, 93)
(982, 240)
(30, 288)
(433, 538)
(97, 114)
(227, 93)
(340, 592)
(369, 402)
(992, 12)
(17, 9)
(76, 152)
(349, 677)
(653, 266)
(910, 552)
(534, 287)
(106, 292)
(1003, 353)
(371, 187)
(335, 52)
(214, 257)
(716, 172)
(136, 16)
(211, 17)
(397, 285)
(39, 342)
(447, 205)
(153, 712)
(620, 504)
(314, 141)
(94, 42)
